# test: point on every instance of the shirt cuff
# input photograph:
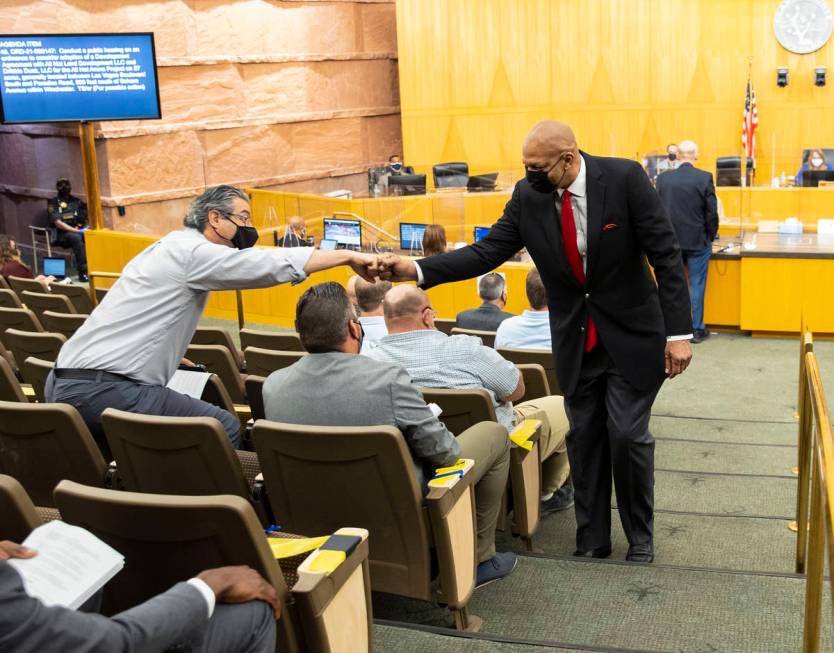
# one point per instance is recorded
(297, 257)
(205, 590)
(688, 336)
(419, 274)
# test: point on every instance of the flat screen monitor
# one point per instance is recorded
(71, 77)
(327, 245)
(407, 184)
(411, 235)
(55, 267)
(481, 183)
(481, 232)
(814, 177)
(346, 233)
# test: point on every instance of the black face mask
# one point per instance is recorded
(672, 156)
(64, 189)
(540, 182)
(244, 238)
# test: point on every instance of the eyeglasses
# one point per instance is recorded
(247, 219)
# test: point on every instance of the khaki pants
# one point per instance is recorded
(551, 412)
(488, 445)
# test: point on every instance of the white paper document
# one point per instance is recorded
(72, 564)
(436, 410)
(189, 383)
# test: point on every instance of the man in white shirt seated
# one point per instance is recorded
(531, 329)
(126, 352)
(369, 298)
(435, 360)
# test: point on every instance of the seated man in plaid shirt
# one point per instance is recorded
(435, 360)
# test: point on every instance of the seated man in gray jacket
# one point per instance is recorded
(184, 616)
(333, 386)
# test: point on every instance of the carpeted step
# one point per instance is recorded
(622, 605)
(701, 492)
(686, 455)
(720, 430)
(711, 542)
(390, 639)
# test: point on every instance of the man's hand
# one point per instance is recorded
(366, 266)
(396, 268)
(239, 585)
(10, 550)
(678, 355)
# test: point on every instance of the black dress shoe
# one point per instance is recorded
(699, 335)
(640, 553)
(601, 552)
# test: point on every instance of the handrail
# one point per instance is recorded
(115, 275)
(820, 478)
(803, 407)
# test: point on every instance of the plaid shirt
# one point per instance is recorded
(435, 360)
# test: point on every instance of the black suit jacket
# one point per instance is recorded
(626, 224)
(688, 195)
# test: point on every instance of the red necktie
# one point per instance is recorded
(575, 261)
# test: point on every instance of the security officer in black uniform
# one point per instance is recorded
(67, 222)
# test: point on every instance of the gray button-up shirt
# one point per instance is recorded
(144, 324)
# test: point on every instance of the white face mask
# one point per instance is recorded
(816, 162)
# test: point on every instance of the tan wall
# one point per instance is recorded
(297, 94)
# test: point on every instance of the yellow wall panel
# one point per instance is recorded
(629, 75)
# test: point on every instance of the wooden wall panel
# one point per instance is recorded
(629, 75)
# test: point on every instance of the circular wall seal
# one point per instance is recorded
(803, 26)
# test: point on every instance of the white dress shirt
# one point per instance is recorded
(579, 204)
(206, 592)
(375, 330)
(144, 324)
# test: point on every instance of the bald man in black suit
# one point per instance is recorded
(593, 226)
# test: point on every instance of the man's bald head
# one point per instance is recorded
(405, 307)
(297, 225)
(551, 147)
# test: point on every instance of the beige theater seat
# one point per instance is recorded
(255, 395)
(167, 539)
(218, 336)
(63, 323)
(263, 362)
(219, 360)
(46, 301)
(535, 382)
(315, 477)
(10, 389)
(21, 319)
(180, 455)
(78, 295)
(281, 340)
(543, 357)
(9, 298)
(44, 443)
(463, 409)
(20, 284)
(487, 337)
(18, 515)
(35, 371)
(25, 344)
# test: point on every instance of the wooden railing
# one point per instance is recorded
(815, 496)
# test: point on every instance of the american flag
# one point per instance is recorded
(751, 121)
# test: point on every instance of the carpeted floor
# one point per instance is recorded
(691, 455)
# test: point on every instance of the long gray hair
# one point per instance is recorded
(220, 198)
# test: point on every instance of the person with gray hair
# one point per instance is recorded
(492, 289)
(127, 351)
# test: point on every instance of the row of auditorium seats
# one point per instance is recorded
(459, 411)
(166, 538)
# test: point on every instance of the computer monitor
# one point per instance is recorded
(327, 245)
(346, 233)
(407, 184)
(54, 266)
(481, 232)
(482, 183)
(814, 177)
(411, 235)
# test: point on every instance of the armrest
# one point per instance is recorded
(526, 433)
(333, 594)
(451, 507)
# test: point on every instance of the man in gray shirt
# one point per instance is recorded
(129, 348)
(365, 392)
(492, 289)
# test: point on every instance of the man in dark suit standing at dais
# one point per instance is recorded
(689, 197)
(590, 224)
